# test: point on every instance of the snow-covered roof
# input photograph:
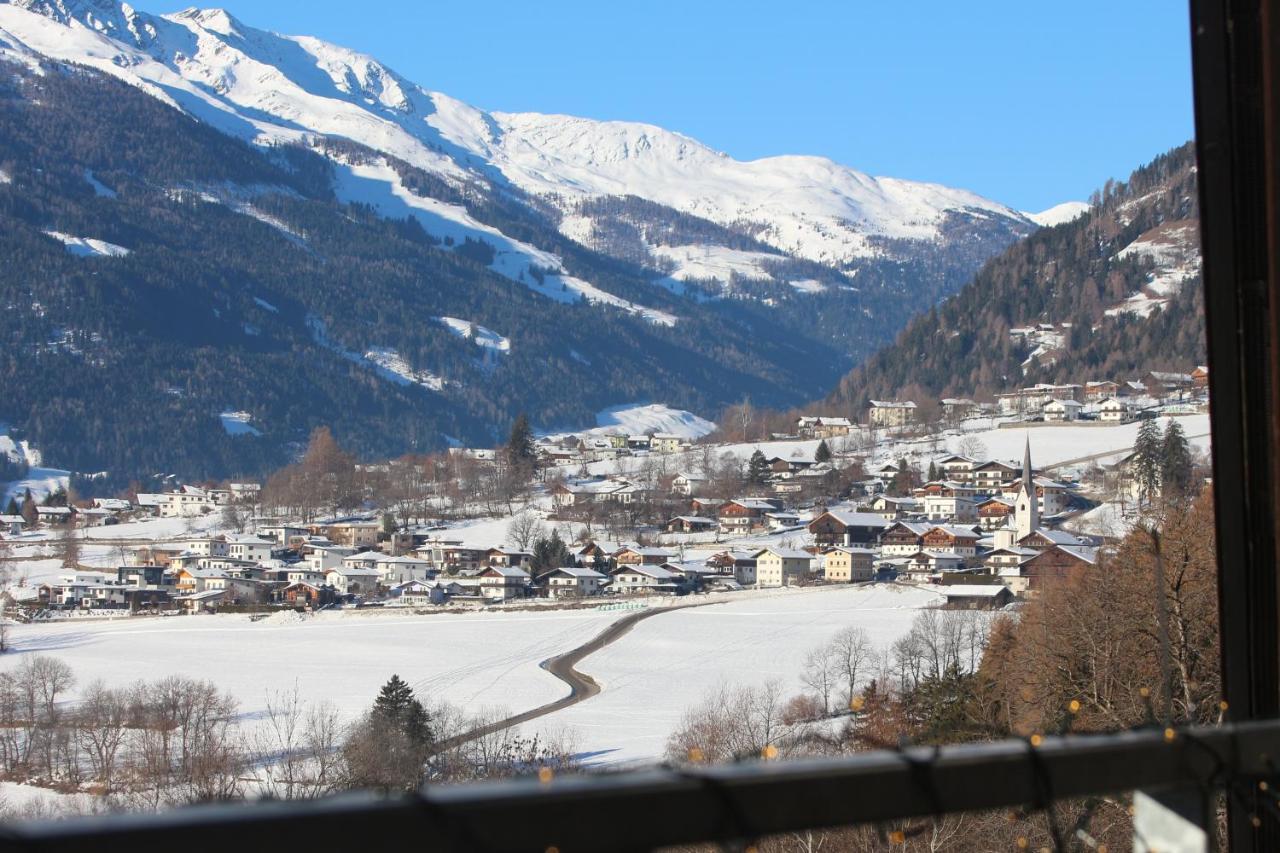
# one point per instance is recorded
(655, 572)
(1058, 537)
(506, 572)
(973, 590)
(785, 553)
(857, 519)
(955, 530)
(12, 519)
(582, 574)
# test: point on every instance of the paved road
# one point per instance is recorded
(581, 685)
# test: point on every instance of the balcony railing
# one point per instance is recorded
(734, 804)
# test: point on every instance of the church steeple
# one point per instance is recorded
(1026, 509)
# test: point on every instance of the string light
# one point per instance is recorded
(553, 849)
(695, 755)
(1170, 735)
(545, 774)
(769, 752)
(1023, 843)
(1262, 786)
(1074, 706)
(1255, 820)
(1036, 740)
(1222, 706)
(1144, 692)
(856, 704)
(897, 837)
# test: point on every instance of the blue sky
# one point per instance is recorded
(1027, 103)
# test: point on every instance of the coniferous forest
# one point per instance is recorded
(1074, 273)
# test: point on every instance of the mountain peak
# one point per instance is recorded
(214, 20)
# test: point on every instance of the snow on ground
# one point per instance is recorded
(706, 262)
(668, 663)
(100, 189)
(87, 247)
(5, 177)
(395, 368)
(479, 335)
(378, 185)
(1058, 214)
(41, 482)
(238, 423)
(640, 418)
(265, 305)
(1174, 250)
(474, 660)
(386, 363)
(1054, 445)
(808, 285)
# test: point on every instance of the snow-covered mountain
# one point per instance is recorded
(265, 88)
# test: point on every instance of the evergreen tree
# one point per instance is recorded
(12, 508)
(549, 553)
(520, 450)
(396, 707)
(933, 471)
(1148, 454)
(823, 453)
(29, 513)
(1175, 462)
(757, 469)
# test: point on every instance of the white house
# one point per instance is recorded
(399, 570)
(1115, 411)
(323, 559)
(503, 583)
(1062, 410)
(645, 578)
(251, 548)
(572, 582)
(891, 413)
(777, 567)
(349, 580)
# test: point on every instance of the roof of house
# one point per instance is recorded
(12, 519)
(575, 572)
(973, 590)
(955, 530)
(785, 553)
(856, 519)
(505, 572)
(1057, 537)
(892, 404)
(655, 572)
(694, 519)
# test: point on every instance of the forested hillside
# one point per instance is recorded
(159, 273)
(1124, 276)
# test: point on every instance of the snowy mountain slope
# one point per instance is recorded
(1058, 214)
(266, 87)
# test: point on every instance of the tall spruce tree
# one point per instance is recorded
(12, 508)
(823, 453)
(520, 450)
(757, 469)
(1148, 455)
(549, 553)
(397, 707)
(1175, 462)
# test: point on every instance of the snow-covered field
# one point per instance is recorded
(669, 662)
(489, 660)
(474, 660)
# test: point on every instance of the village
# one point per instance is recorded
(613, 514)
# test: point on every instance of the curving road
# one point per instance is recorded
(581, 685)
